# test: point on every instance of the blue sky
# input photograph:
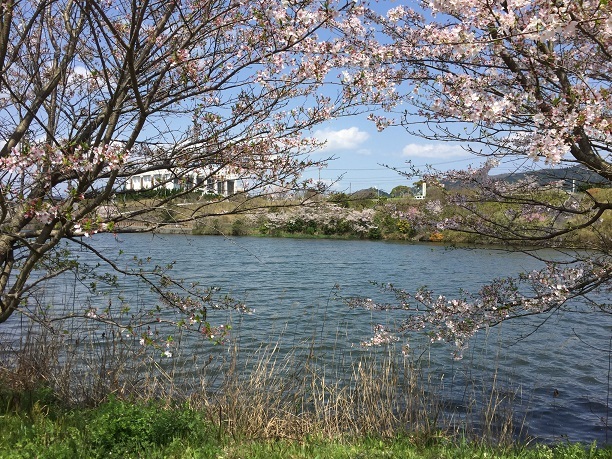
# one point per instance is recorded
(361, 152)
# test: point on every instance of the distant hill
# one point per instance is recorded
(370, 193)
(580, 174)
(574, 177)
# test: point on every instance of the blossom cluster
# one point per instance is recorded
(327, 218)
(382, 336)
(88, 227)
(42, 158)
(456, 320)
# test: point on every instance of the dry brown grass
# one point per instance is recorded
(269, 393)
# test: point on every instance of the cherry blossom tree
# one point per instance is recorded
(324, 218)
(93, 93)
(517, 82)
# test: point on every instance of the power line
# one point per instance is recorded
(398, 168)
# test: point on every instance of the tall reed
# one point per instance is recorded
(271, 392)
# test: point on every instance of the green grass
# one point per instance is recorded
(43, 429)
(403, 448)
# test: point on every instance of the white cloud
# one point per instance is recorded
(434, 151)
(80, 70)
(343, 139)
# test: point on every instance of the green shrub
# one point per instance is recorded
(122, 428)
(375, 233)
(239, 228)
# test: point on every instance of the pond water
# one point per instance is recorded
(293, 286)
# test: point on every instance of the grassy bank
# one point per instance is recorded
(346, 217)
(69, 394)
(36, 426)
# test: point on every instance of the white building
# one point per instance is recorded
(222, 183)
(423, 192)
